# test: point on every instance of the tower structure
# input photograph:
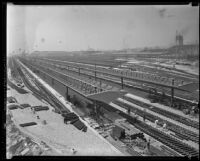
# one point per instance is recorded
(179, 39)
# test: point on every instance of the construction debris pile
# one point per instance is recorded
(103, 129)
(18, 144)
(72, 118)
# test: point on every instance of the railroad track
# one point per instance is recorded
(74, 83)
(102, 70)
(181, 132)
(140, 86)
(178, 94)
(175, 117)
(173, 143)
(101, 65)
(175, 128)
(164, 113)
(103, 78)
(112, 109)
(20, 90)
(43, 93)
(55, 101)
(182, 148)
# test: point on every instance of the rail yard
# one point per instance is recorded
(157, 109)
(102, 81)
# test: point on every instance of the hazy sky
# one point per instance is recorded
(99, 27)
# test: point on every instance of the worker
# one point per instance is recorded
(44, 122)
(129, 110)
(25, 144)
(192, 112)
(144, 117)
(74, 151)
(156, 123)
(38, 117)
(148, 145)
(193, 107)
(164, 126)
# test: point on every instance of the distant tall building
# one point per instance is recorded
(179, 39)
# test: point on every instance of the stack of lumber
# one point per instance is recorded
(28, 124)
(40, 108)
(13, 107)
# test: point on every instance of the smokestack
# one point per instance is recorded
(180, 39)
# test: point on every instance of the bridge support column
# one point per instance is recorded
(172, 93)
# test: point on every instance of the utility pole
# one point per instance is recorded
(122, 82)
(172, 93)
(67, 92)
(100, 85)
(95, 106)
(79, 71)
(95, 74)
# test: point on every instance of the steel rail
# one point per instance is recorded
(173, 143)
(152, 118)
(126, 84)
(126, 77)
(40, 94)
